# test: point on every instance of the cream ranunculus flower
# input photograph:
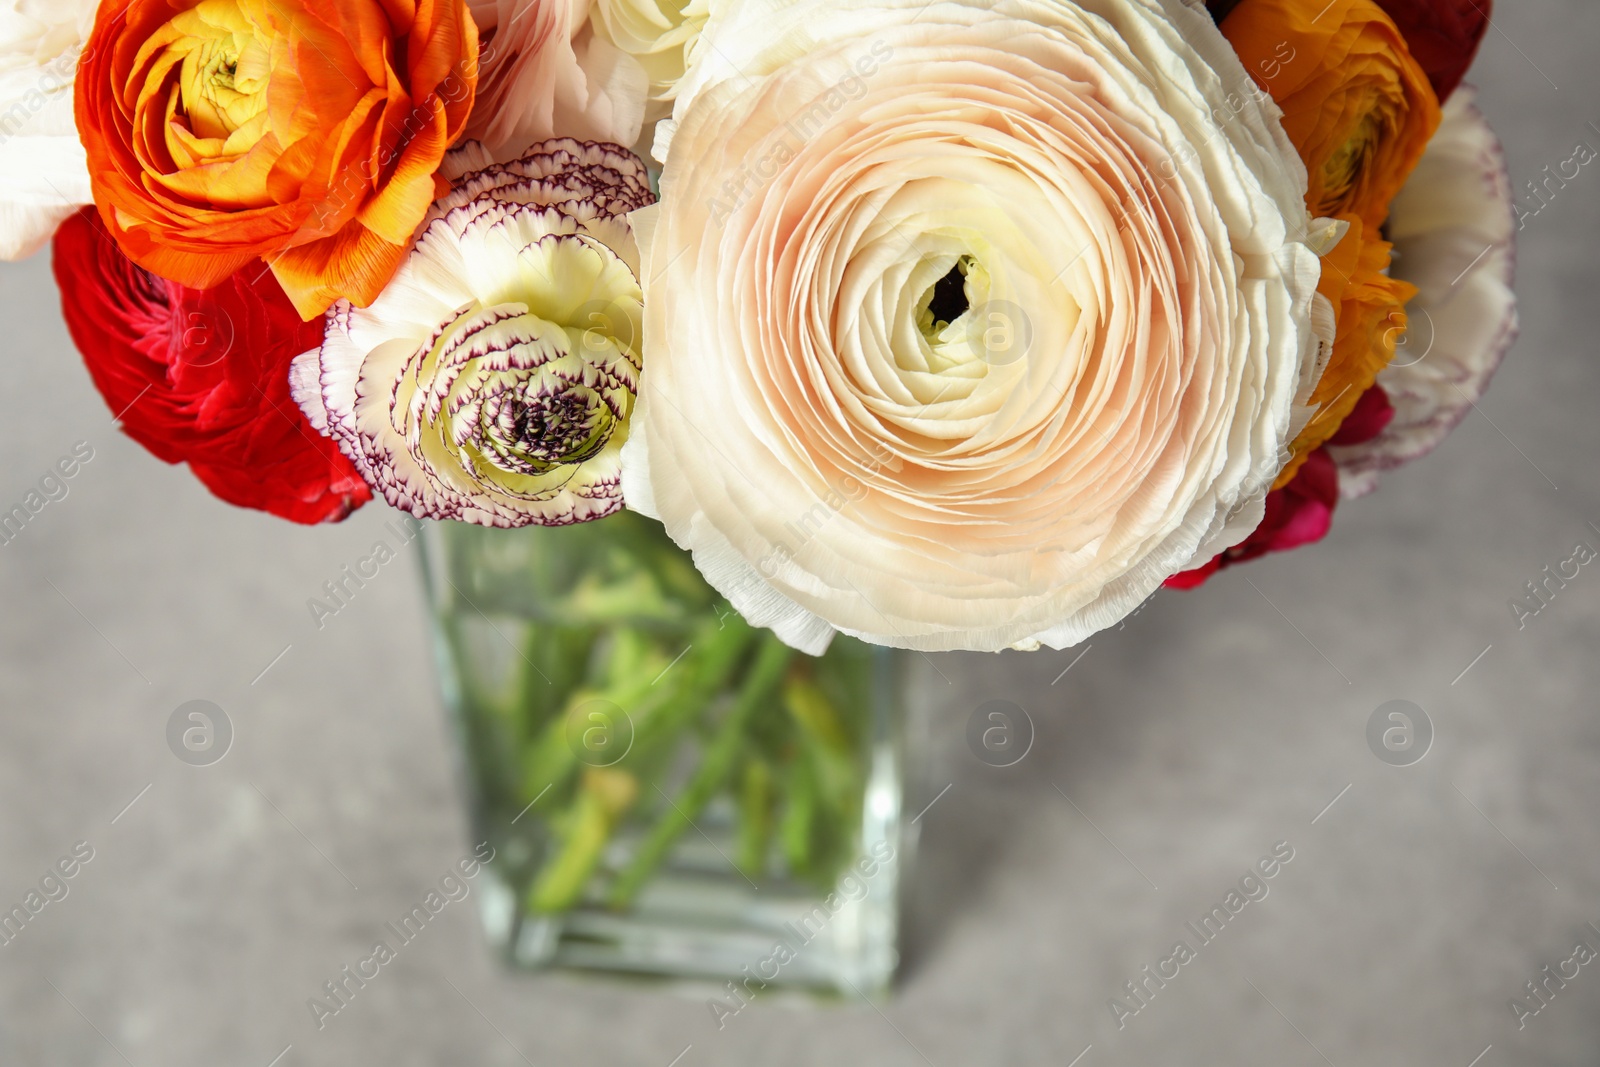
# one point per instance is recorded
(44, 176)
(1454, 230)
(968, 323)
(493, 379)
(544, 72)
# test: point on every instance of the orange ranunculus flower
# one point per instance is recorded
(1356, 104)
(304, 132)
(1370, 307)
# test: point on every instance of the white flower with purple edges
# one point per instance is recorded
(493, 379)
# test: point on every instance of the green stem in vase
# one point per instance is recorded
(799, 816)
(756, 795)
(708, 672)
(824, 787)
(605, 797)
(554, 758)
(634, 678)
(716, 767)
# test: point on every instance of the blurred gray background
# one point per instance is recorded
(1212, 726)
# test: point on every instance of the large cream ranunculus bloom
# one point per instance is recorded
(1454, 231)
(44, 176)
(967, 324)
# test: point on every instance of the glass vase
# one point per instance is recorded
(668, 791)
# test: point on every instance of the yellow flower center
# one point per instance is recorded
(218, 108)
(217, 98)
(1351, 159)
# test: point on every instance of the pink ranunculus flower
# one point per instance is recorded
(545, 73)
(1454, 231)
(44, 175)
(967, 324)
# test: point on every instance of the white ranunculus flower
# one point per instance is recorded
(1454, 232)
(968, 323)
(493, 378)
(44, 175)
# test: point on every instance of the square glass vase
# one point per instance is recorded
(668, 791)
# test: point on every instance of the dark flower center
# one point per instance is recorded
(552, 428)
(949, 301)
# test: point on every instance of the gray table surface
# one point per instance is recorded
(1214, 725)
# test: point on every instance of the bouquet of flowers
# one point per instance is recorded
(956, 325)
(940, 324)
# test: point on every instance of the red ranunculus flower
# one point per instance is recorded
(1302, 510)
(1367, 419)
(202, 376)
(1443, 36)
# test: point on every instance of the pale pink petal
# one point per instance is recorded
(542, 75)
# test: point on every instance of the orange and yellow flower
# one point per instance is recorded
(301, 132)
(1360, 111)
(1356, 104)
(1370, 308)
